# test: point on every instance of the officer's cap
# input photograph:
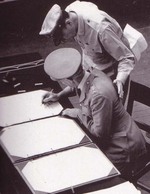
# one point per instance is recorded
(62, 63)
(50, 20)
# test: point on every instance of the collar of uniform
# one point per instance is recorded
(81, 84)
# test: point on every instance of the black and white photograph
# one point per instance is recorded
(75, 97)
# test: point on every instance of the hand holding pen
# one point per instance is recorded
(50, 97)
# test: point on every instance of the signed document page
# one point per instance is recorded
(24, 107)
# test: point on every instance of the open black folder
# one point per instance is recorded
(67, 170)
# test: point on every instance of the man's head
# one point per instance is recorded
(59, 24)
(63, 63)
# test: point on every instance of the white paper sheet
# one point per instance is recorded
(137, 42)
(41, 136)
(25, 107)
(67, 169)
(123, 188)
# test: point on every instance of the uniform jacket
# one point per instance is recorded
(102, 41)
(105, 117)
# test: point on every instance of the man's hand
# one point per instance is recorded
(119, 85)
(50, 97)
(71, 112)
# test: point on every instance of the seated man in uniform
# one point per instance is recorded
(100, 37)
(101, 112)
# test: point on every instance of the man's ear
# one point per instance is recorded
(68, 21)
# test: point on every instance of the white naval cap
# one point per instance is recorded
(62, 63)
(50, 20)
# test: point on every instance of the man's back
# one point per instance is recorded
(114, 129)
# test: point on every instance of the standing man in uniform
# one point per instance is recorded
(101, 112)
(103, 44)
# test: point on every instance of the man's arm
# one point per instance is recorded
(53, 97)
(121, 53)
(99, 124)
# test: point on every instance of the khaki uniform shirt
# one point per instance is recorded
(106, 119)
(101, 39)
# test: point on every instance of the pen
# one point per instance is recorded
(51, 90)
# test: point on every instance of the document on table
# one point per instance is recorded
(24, 107)
(68, 169)
(41, 136)
(123, 188)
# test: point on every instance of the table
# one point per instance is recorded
(22, 155)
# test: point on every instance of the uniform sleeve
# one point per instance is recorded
(99, 124)
(119, 51)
